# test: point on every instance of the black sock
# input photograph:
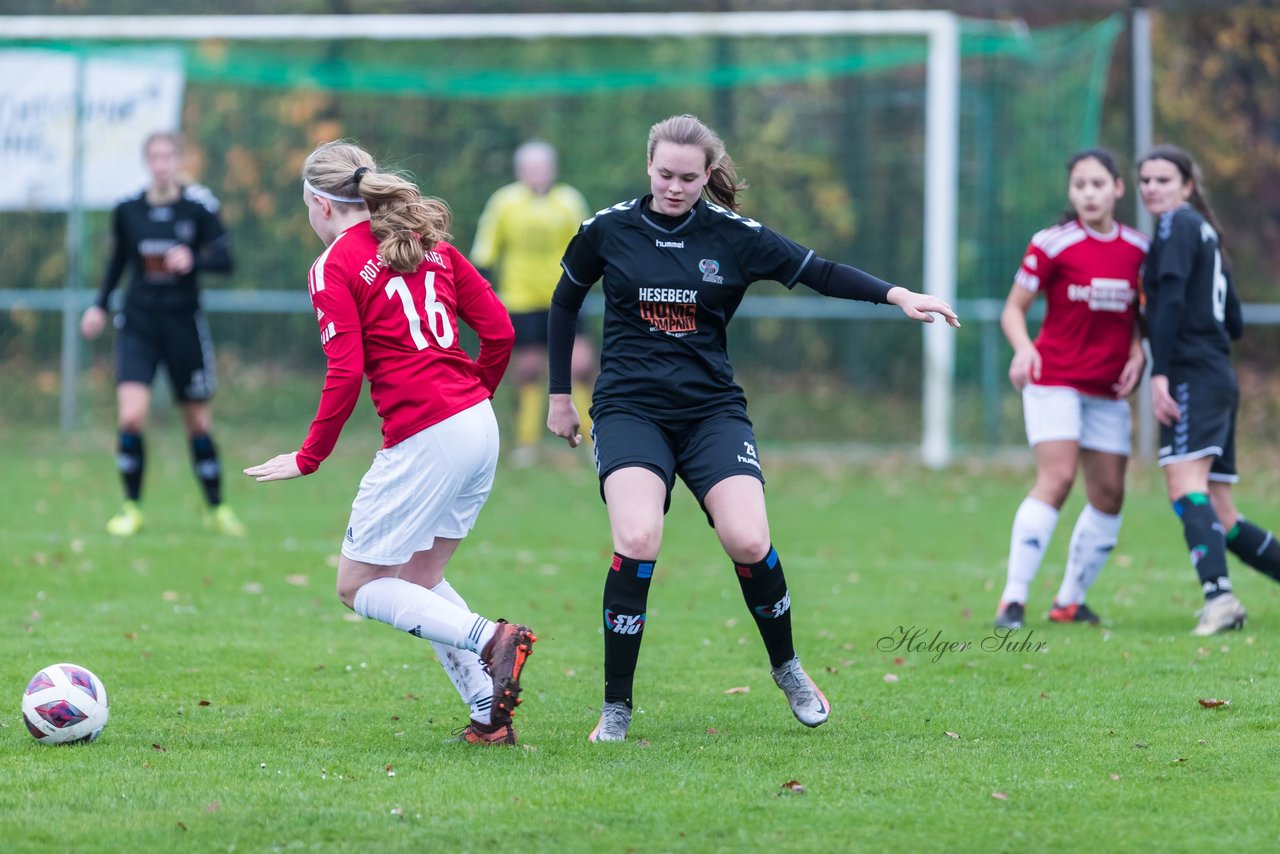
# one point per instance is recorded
(130, 460)
(204, 456)
(1256, 547)
(1204, 535)
(626, 590)
(764, 588)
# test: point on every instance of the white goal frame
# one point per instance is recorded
(941, 31)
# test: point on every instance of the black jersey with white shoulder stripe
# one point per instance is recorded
(671, 286)
(1187, 294)
(143, 232)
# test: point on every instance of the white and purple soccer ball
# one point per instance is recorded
(65, 704)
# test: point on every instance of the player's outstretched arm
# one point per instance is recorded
(279, 467)
(921, 307)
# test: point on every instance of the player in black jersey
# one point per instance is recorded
(167, 234)
(675, 267)
(1192, 312)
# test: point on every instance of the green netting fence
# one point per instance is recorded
(828, 131)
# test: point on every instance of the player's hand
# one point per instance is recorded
(563, 420)
(92, 322)
(1025, 367)
(921, 307)
(1162, 403)
(281, 467)
(179, 260)
(1130, 375)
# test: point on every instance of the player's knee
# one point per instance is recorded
(746, 544)
(132, 422)
(1108, 500)
(1053, 485)
(346, 589)
(641, 542)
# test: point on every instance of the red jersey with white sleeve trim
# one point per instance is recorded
(1091, 284)
(400, 330)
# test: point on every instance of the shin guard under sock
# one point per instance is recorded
(1256, 547)
(626, 591)
(1205, 542)
(131, 458)
(764, 588)
(204, 457)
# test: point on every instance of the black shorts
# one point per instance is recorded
(1208, 425)
(178, 339)
(531, 328)
(702, 452)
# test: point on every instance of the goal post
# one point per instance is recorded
(939, 29)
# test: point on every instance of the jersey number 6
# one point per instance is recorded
(437, 317)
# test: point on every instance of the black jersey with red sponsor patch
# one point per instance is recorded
(1189, 298)
(671, 286)
(144, 232)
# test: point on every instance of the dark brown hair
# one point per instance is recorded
(1191, 173)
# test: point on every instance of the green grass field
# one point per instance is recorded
(252, 712)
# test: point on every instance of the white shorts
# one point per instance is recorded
(432, 484)
(1058, 413)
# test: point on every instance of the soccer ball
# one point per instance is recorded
(64, 704)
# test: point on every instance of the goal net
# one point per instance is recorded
(854, 131)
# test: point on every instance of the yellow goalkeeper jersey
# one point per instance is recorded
(520, 239)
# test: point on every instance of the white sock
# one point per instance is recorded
(416, 610)
(1095, 535)
(464, 667)
(1033, 526)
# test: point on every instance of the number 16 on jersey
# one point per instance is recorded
(438, 323)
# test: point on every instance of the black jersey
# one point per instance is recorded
(144, 232)
(671, 286)
(1187, 297)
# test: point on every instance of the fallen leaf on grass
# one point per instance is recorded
(1213, 703)
(1115, 776)
(712, 731)
(297, 580)
(158, 748)
(214, 807)
(181, 826)
(952, 734)
(891, 677)
(1176, 761)
(1000, 796)
(741, 689)
(794, 786)
(204, 703)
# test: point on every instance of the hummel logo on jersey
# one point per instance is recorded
(669, 244)
(710, 271)
(750, 459)
(777, 609)
(623, 624)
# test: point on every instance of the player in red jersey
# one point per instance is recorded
(1074, 378)
(388, 292)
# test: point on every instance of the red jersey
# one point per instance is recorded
(1091, 284)
(401, 330)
